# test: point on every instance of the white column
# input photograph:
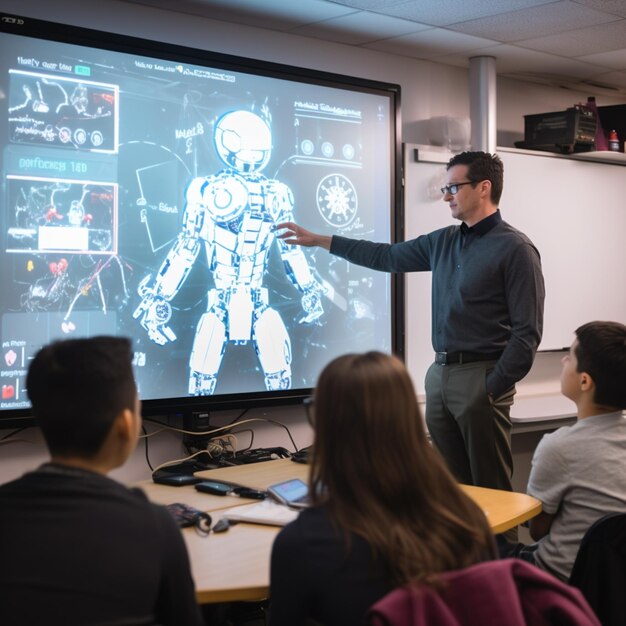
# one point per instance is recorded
(482, 75)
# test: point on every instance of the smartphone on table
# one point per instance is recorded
(293, 492)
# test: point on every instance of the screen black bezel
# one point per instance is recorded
(45, 30)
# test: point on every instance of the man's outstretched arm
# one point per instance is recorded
(296, 235)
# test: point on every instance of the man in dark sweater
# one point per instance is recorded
(78, 548)
(487, 311)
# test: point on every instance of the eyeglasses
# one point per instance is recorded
(309, 406)
(453, 189)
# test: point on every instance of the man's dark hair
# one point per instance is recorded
(601, 352)
(77, 387)
(482, 166)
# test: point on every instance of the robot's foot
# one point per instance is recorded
(278, 380)
(202, 384)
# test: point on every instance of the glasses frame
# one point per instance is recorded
(448, 188)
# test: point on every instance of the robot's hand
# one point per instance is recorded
(153, 313)
(311, 304)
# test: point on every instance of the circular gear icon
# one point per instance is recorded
(337, 200)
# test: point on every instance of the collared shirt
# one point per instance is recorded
(482, 227)
(487, 289)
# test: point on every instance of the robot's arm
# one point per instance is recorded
(296, 266)
(154, 310)
(299, 272)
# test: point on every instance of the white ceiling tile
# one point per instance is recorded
(429, 44)
(359, 28)
(581, 42)
(271, 14)
(510, 58)
(534, 22)
(616, 7)
(444, 12)
(549, 35)
(379, 6)
(616, 59)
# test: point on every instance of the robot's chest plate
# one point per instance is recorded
(228, 195)
(247, 247)
(225, 198)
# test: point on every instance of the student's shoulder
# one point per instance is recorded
(140, 499)
(570, 444)
(12, 486)
(155, 517)
(557, 440)
(13, 494)
(310, 526)
(136, 503)
(313, 542)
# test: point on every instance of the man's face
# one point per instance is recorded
(465, 203)
(570, 377)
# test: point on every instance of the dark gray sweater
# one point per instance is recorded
(487, 289)
(79, 549)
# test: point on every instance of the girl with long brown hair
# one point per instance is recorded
(385, 512)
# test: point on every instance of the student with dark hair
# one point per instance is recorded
(76, 547)
(579, 472)
(487, 315)
(386, 511)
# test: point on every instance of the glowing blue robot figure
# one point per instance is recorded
(233, 213)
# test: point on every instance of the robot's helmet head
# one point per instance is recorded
(243, 141)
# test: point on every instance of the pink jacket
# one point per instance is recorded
(507, 592)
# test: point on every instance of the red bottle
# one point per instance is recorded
(613, 141)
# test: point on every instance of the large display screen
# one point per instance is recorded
(141, 187)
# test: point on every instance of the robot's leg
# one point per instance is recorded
(273, 347)
(206, 355)
(201, 384)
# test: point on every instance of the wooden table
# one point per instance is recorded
(234, 566)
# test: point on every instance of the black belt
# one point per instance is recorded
(452, 358)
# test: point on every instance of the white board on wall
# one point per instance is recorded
(574, 211)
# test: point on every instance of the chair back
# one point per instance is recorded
(507, 592)
(600, 568)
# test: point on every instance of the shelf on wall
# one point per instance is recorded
(604, 156)
(433, 154)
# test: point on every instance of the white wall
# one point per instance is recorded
(428, 89)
